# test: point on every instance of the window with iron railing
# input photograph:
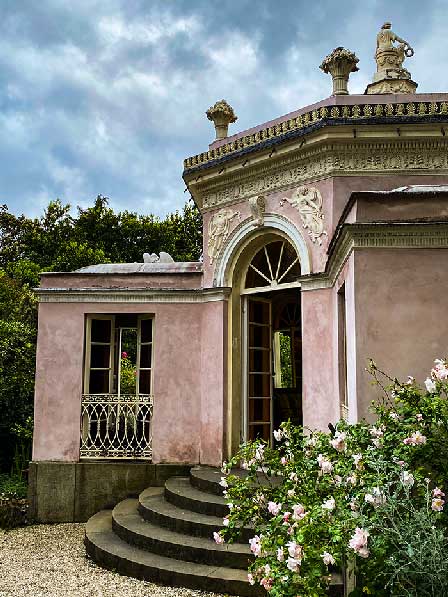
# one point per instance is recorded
(117, 400)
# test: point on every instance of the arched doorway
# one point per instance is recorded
(265, 332)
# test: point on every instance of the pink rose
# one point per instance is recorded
(358, 542)
(437, 504)
(274, 508)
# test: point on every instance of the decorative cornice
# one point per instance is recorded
(382, 235)
(366, 113)
(130, 295)
(305, 164)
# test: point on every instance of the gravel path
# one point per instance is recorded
(50, 561)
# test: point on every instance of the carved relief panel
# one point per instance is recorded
(218, 231)
(308, 202)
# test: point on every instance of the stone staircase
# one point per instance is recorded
(165, 536)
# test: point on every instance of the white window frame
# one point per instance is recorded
(139, 346)
(113, 347)
(88, 345)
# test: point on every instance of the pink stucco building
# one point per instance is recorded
(325, 244)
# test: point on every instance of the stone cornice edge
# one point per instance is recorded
(381, 235)
(131, 295)
(366, 113)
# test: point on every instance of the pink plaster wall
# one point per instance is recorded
(58, 387)
(406, 207)
(401, 308)
(179, 433)
(344, 186)
(213, 382)
(320, 399)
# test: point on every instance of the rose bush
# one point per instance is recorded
(367, 498)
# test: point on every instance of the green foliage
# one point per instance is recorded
(23, 447)
(286, 361)
(17, 363)
(60, 242)
(128, 374)
(13, 486)
(369, 495)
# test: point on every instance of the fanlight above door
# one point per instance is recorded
(275, 265)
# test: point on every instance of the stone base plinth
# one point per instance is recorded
(391, 86)
(74, 491)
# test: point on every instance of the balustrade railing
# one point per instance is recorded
(115, 426)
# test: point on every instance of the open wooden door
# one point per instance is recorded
(258, 413)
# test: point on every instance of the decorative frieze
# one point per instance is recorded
(407, 156)
(308, 202)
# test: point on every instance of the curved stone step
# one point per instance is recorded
(155, 509)
(180, 493)
(108, 550)
(129, 526)
(207, 479)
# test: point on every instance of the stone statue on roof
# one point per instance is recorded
(391, 76)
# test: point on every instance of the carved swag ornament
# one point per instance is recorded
(308, 202)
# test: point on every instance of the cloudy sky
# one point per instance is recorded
(108, 96)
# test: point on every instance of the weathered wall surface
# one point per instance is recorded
(186, 280)
(320, 403)
(344, 186)
(179, 379)
(74, 491)
(401, 306)
(213, 382)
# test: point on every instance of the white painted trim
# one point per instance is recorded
(258, 289)
(272, 222)
(130, 295)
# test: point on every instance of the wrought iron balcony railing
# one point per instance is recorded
(115, 426)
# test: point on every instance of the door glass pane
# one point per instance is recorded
(259, 360)
(258, 312)
(128, 361)
(260, 432)
(259, 385)
(99, 382)
(100, 356)
(259, 336)
(145, 382)
(259, 410)
(145, 356)
(146, 330)
(101, 330)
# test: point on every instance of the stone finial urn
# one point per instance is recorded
(340, 63)
(222, 115)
